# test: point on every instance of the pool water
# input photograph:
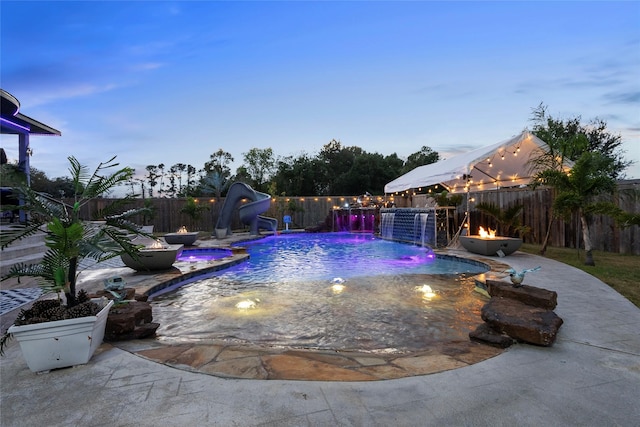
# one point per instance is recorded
(328, 291)
(200, 255)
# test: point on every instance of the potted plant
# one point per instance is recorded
(45, 331)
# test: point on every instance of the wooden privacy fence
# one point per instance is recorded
(537, 213)
(310, 211)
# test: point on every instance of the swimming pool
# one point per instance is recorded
(203, 255)
(335, 291)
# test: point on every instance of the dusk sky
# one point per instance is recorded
(172, 82)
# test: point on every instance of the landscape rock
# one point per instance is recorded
(130, 320)
(130, 294)
(521, 321)
(530, 295)
(485, 334)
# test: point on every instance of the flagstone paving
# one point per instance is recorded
(263, 362)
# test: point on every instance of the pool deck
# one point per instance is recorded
(590, 376)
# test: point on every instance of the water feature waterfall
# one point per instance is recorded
(410, 225)
(387, 220)
(420, 227)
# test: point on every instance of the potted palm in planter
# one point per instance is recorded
(49, 330)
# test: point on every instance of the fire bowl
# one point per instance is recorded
(486, 246)
(186, 239)
(153, 259)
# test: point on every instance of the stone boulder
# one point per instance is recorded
(523, 322)
(486, 335)
(530, 295)
(131, 320)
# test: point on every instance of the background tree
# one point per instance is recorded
(297, 175)
(242, 175)
(191, 181)
(576, 191)
(569, 139)
(334, 161)
(152, 178)
(178, 176)
(425, 156)
(11, 176)
(161, 176)
(368, 174)
(219, 162)
(259, 165)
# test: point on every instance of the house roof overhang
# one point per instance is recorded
(12, 121)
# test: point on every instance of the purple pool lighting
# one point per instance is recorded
(337, 291)
(203, 255)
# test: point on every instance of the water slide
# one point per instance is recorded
(249, 212)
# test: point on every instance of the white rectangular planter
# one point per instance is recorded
(61, 343)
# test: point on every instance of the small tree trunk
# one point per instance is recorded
(545, 243)
(71, 296)
(587, 241)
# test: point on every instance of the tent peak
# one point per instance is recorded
(503, 164)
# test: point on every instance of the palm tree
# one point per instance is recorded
(576, 192)
(71, 238)
(193, 210)
(508, 219)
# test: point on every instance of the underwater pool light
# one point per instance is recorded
(427, 292)
(337, 285)
(246, 304)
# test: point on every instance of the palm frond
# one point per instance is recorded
(18, 232)
(99, 185)
(79, 175)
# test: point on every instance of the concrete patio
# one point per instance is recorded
(591, 376)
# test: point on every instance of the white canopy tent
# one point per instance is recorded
(504, 164)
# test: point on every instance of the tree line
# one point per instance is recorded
(335, 170)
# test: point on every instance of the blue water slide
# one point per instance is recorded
(249, 212)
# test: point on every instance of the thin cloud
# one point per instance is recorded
(623, 97)
(51, 95)
(145, 66)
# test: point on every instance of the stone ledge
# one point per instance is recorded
(522, 322)
(530, 295)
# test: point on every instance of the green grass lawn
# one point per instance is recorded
(621, 272)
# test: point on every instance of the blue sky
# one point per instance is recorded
(172, 82)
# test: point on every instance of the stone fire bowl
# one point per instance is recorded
(153, 259)
(186, 239)
(485, 246)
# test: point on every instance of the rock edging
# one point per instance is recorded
(522, 314)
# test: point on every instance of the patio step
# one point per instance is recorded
(29, 250)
